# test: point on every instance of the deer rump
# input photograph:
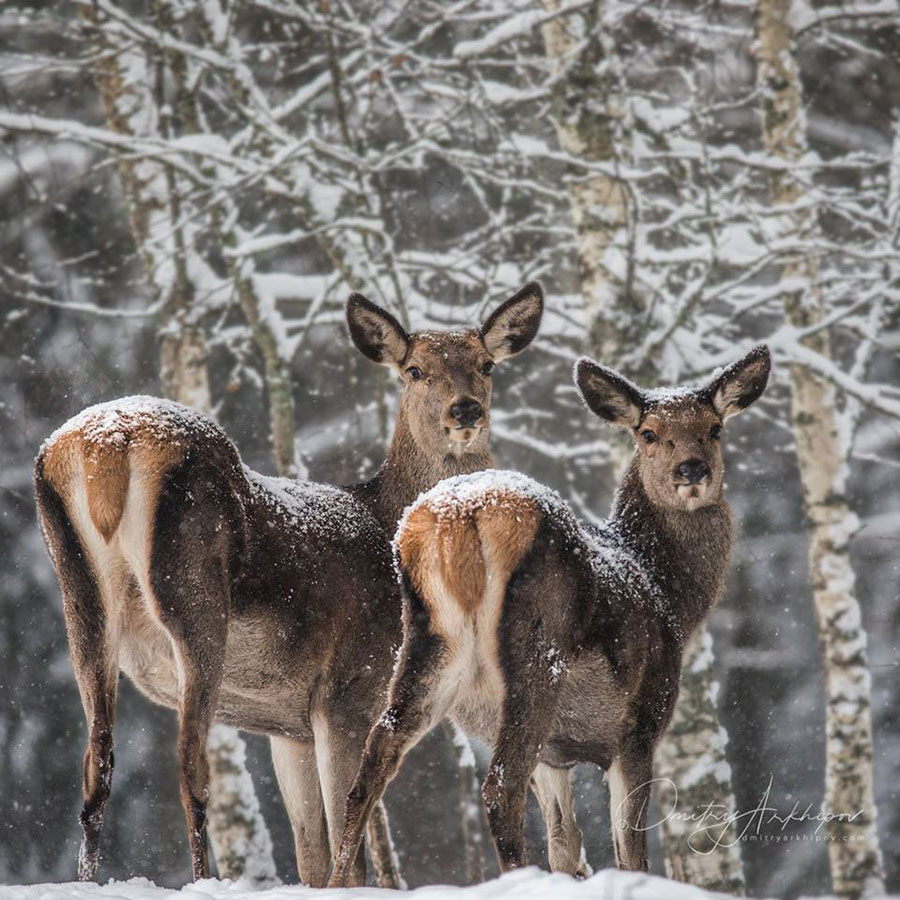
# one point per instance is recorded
(487, 557)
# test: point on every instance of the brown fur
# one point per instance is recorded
(106, 471)
(436, 550)
(506, 529)
(462, 562)
(105, 458)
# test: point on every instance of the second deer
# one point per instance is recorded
(555, 641)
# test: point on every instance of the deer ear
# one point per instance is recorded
(741, 383)
(608, 394)
(376, 333)
(512, 326)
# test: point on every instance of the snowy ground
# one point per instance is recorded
(527, 884)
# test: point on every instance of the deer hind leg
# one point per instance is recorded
(98, 692)
(92, 643)
(298, 779)
(189, 577)
(553, 789)
(505, 785)
(416, 703)
(199, 692)
(531, 693)
(630, 777)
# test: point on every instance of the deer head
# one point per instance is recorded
(446, 375)
(677, 433)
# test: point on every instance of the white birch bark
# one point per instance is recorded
(822, 450)
(470, 806)
(385, 862)
(695, 775)
(238, 835)
(592, 122)
(589, 117)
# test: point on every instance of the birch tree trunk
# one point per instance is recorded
(591, 121)
(695, 775)
(589, 116)
(238, 835)
(822, 449)
(470, 806)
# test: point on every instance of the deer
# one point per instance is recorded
(554, 640)
(264, 603)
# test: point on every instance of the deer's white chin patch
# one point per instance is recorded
(463, 435)
(692, 495)
(461, 441)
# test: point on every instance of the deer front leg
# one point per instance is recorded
(339, 743)
(298, 778)
(553, 789)
(413, 707)
(630, 777)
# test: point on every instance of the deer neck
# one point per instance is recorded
(409, 470)
(685, 553)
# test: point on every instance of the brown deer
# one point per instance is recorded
(264, 603)
(555, 641)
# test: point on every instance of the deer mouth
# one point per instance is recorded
(462, 434)
(692, 494)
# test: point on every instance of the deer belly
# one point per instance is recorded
(266, 683)
(591, 715)
(479, 706)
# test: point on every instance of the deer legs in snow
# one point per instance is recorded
(413, 708)
(553, 790)
(630, 777)
(191, 592)
(98, 692)
(94, 659)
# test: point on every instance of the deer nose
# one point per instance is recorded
(693, 470)
(466, 412)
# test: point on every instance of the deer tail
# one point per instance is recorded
(454, 556)
(106, 475)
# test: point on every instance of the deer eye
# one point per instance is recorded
(415, 373)
(648, 436)
(715, 432)
(487, 368)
